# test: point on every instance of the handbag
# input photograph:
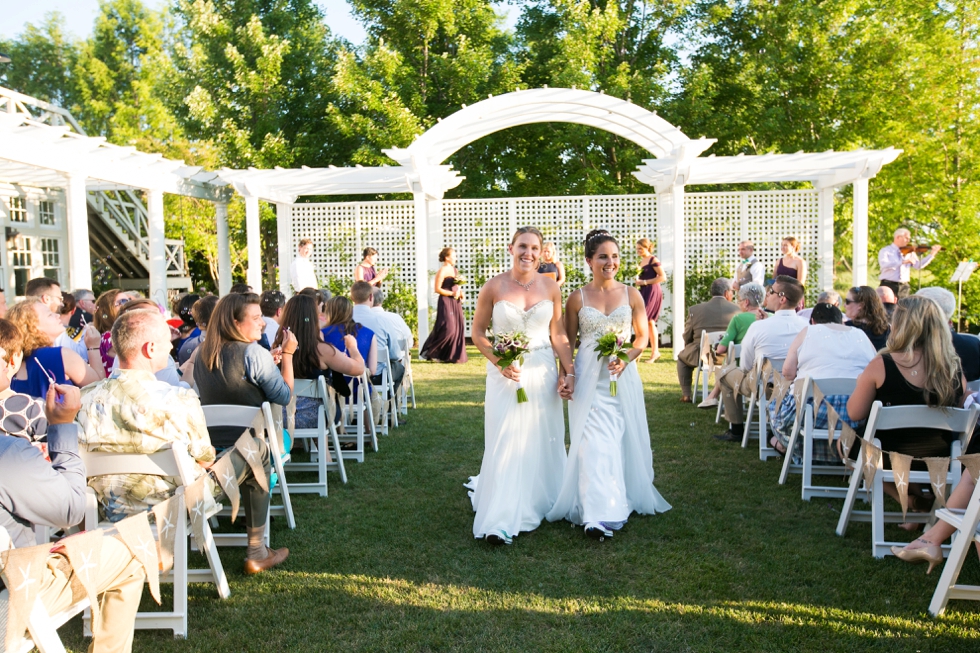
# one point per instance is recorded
(338, 382)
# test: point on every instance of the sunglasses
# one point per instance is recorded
(770, 291)
(848, 302)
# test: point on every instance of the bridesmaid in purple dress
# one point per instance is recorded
(365, 270)
(648, 282)
(791, 264)
(446, 342)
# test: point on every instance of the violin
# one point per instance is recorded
(921, 248)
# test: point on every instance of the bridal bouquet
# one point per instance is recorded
(612, 346)
(510, 349)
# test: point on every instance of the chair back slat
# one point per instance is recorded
(102, 463)
(307, 388)
(832, 386)
(231, 415)
(957, 420)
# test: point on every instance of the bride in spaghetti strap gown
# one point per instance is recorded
(524, 444)
(609, 473)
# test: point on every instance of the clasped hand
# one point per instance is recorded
(616, 366)
(566, 386)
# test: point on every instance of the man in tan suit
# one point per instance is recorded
(712, 315)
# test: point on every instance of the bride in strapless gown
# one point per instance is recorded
(609, 473)
(524, 444)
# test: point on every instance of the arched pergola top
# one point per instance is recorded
(611, 114)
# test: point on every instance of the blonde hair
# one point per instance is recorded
(793, 242)
(646, 244)
(919, 324)
(23, 315)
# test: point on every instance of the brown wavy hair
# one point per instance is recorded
(920, 328)
(106, 311)
(222, 328)
(24, 317)
(872, 310)
(340, 310)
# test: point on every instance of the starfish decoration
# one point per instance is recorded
(901, 482)
(228, 477)
(87, 564)
(250, 452)
(144, 548)
(27, 579)
(198, 509)
(941, 488)
(165, 527)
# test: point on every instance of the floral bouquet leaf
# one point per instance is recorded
(510, 349)
(611, 346)
(461, 281)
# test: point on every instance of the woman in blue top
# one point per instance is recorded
(340, 322)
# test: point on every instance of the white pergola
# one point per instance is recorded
(35, 153)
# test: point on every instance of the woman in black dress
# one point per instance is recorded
(447, 342)
(550, 264)
(648, 283)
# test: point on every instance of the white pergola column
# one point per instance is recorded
(79, 255)
(671, 208)
(158, 248)
(825, 238)
(422, 262)
(224, 248)
(253, 235)
(860, 235)
(284, 232)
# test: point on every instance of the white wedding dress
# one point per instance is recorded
(524, 444)
(609, 473)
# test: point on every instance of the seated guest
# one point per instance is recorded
(43, 363)
(396, 323)
(314, 357)
(769, 338)
(712, 315)
(825, 349)
(106, 309)
(232, 368)
(888, 299)
(20, 415)
(186, 327)
(864, 311)
(48, 292)
(201, 312)
(826, 297)
(967, 346)
(272, 303)
(340, 323)
(919, 367)
(169, 374)
(166, 414)
(362, 293)
(240, 289)
(52, 493)
(750, 298)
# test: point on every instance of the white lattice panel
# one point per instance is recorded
(778, 214)
(388, 227)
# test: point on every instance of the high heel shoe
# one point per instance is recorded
(933, 554)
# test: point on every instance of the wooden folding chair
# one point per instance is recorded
(318, 436)
(966, 523)
(705, 366)
(959, 421)
(42, 626)
(175, 463)
(804, 427)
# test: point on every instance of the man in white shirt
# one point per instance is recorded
(896, 267)
(396, 322)
(272, 303)
(769, 338)
(362, 294)
(302, 272)
(750, 270)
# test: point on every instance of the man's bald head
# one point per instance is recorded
(886, 295)
(141, 339)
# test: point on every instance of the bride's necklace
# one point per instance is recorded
(525, 286)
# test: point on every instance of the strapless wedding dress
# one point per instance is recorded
(609, 474)
(524, 444)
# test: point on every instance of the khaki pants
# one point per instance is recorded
(120, 586)
(733, 385)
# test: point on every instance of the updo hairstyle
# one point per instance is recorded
(595, 238)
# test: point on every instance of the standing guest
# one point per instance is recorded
(750, 298)
(447, 340)
(272, 303)
(896, 266)
(232, 368)
(769, 338)
(888, 299)
(791, 264)
(302, 272)
(85, 303)
(550, 264)
(864, 311)
(44, 363)
(365, 270)
(967, 346)
(106, 310)
(712, 315)
(240, 289)
(166, 414)
(648, 281)
(831, 297)
(313, 357)
(363, 295)
(750, 270)
(201, 312)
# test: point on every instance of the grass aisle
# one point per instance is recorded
(388, 561)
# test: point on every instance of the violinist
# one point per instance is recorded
(897, 260)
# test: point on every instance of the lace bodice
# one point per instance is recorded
(535, 322)
(593, 323)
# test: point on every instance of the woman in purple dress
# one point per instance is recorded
(791, 264)
(365, 270)
(446, 342)
(648, 282)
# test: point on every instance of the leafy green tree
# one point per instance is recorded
(42, 59)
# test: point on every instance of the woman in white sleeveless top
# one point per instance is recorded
(609, 473)
(524, 444)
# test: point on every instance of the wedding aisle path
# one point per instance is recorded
(388, 562)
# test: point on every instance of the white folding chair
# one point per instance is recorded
(705, 366)
(959, 421)
(731, 355)
(804, 428)
(175, 463)
(973, 386)
(358, 418)
(42, 627)
(966, 523)
(315, 389)
(389, 411)
(759, 402)
(408, 381)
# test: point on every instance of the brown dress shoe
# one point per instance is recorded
(685, 400)
(274, 558)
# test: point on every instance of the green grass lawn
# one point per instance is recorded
(388, 562)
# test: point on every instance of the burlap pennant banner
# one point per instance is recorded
(197, 509)
(246, 447)
(224, 471)
(22, 572)
(84, 552)
(135, 533)
(780, 388)
(832, 418)
(166, 516)
(972, 464)
(818, 397)
(847, 435)
(901, 466)
(872, 461)
(938, 468)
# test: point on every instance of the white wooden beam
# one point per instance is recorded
(79, 255)
(860, 235)
(421, 262)
(285, 245)
(158, 248)
(224, 248)
(253, 235)
(825, 238)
